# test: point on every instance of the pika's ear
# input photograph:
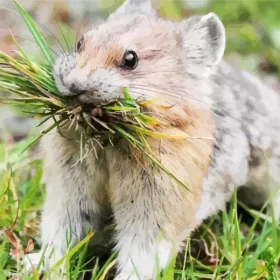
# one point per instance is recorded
(134, 7)
(203, 42)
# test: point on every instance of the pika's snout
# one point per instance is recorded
(76, 90)
(85, 84)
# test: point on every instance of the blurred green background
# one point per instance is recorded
(253, 26)
(252, 30)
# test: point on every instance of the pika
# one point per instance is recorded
(232, 118)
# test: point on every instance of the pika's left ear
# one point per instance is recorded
(204, 42)
(134, 7)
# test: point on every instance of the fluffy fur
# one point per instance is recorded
(221, 109)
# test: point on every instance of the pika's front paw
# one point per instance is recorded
(131, 276)
(38, 261)
(124, 276)
(32, 261)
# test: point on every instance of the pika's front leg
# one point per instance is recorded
(140, 252)
(71, 203)
(152, 219)
(62, 227)
(64, 223)
(140, 245)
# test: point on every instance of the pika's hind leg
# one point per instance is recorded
(263, 181)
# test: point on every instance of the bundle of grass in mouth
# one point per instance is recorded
(33, 84)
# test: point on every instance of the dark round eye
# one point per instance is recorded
(80, 44)
(130, 60)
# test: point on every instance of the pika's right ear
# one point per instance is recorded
(203, 42)
(134, 7)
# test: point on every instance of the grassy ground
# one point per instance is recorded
(225, 247)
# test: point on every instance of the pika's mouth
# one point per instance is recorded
(89, 99)
(105, 115)
(97, 114)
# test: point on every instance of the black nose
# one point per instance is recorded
(76, 90)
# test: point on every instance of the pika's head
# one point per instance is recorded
(138, 50)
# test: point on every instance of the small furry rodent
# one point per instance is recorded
(231, 116)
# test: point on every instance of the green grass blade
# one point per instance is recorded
(73, 251)
(127, 95)
(28, 61)
(154, 134)
(50, 128)
(160, 166)
(36, 33)
(153, 159)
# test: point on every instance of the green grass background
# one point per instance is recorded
(230, 248)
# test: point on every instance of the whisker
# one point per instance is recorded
(131, 73)
(64, 38)
(114, 73)
(213, 109)
(53, 36)
(216, 111)
(18, 14)
(162, 91)
(170, 93)
(30, 40)
(131, 86)
(9, 10)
